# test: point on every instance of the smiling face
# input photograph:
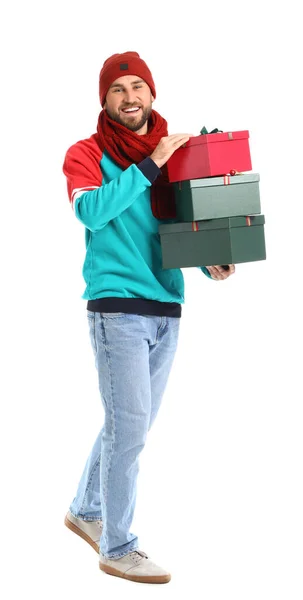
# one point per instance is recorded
(129, 102)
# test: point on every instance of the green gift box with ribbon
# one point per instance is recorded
(217, 197)
(223, 241)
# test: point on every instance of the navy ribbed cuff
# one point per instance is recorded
(149, 169)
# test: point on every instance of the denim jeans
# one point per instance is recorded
(133, 356)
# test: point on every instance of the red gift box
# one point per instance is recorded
(210, 155)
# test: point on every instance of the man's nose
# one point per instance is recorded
(130, 96)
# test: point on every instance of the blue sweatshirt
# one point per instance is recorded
(123, 262)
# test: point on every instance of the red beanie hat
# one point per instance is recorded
(117, 65)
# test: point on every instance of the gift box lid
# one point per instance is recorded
(225, 223)
(210, 138)
(211, 181)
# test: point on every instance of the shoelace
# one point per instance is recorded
(137, 555)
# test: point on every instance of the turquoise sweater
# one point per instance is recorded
(123, 251)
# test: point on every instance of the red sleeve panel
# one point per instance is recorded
(82, 168)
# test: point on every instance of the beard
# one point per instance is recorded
(131, 123)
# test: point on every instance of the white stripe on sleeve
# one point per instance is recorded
(77, 192)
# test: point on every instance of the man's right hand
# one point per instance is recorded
(167, 147)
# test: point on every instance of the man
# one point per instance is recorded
(118, 188)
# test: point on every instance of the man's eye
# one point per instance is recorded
(120, 89)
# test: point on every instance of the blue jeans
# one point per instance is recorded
(133, 356)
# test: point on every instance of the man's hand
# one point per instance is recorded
(219, 272)
(167, 147)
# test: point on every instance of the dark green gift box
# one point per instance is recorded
(213, 242)
(217, 197)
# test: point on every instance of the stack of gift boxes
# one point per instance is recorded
(217, 204)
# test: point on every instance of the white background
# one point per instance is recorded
(220, 487)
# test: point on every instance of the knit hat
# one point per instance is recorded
(118, 65)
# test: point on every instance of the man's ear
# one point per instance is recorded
(153, 99)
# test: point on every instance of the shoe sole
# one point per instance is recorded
(143, 579)
(81, 533)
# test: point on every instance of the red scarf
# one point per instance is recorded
(127, 147)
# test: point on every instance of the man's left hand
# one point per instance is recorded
(218, 272)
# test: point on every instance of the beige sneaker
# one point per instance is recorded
(135, 566)
(90, 531)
